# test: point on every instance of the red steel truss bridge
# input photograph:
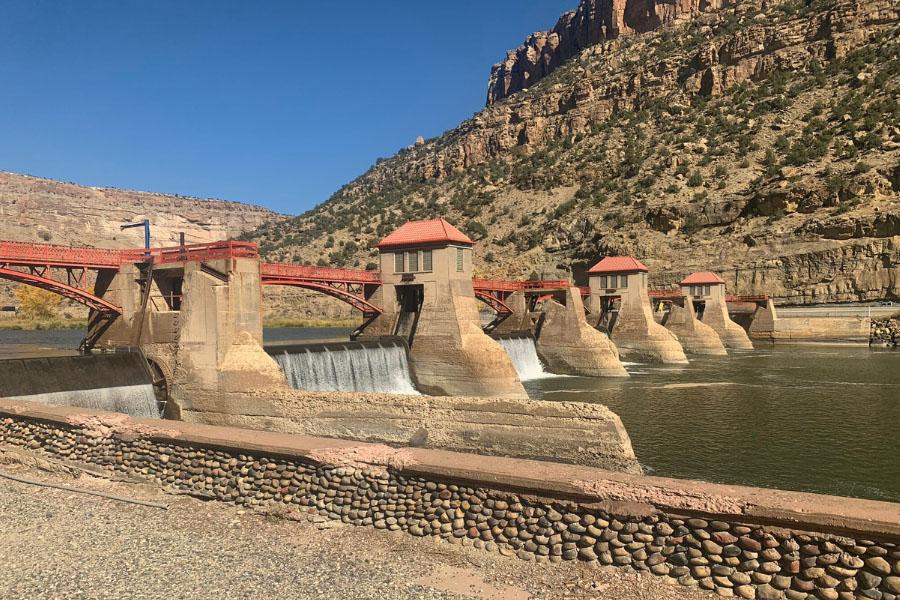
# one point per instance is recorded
(348, 285)
(64, 270)
(495, 292)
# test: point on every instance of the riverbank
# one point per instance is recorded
(885, 332)
(283, 323)
(20, 324)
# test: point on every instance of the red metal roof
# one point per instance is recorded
(702, 278)
(618, 264)
(434, 231)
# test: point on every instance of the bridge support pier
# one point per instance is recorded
(716, 316)
(449, 354)
(568, 345)
(520, 319)
(695, 336)
(622, 281)
(201, 323)
(452, 356)
(639, 337)
(764, 323)
(428, 298)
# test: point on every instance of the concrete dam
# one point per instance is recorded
(194, 313)
(419, 422)
(522, 352)
(378, 366)
(120, 382)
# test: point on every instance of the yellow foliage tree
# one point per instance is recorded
(35, 303)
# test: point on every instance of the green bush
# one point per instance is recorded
(476, 230)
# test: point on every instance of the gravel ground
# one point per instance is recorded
(60, 544)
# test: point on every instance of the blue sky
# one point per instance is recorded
(276, 103)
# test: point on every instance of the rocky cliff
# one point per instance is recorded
(761, 140)
(39, 210)
(33, 209)
(594, 21)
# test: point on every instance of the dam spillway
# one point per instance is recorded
(523, 354)
(118, 382)
(347, 367)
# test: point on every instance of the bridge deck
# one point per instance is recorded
(348, 285)
(271, 271)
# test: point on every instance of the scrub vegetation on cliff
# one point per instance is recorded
(762, 143)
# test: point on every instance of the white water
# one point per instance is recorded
(134, 400)
(372, 369)
(524, 358)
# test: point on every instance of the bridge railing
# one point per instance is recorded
(665, 293)
(547, 284)
(501, 285)
(496, 285)
(750, 298)
(323, 274)
(193, 252)
(19, 253)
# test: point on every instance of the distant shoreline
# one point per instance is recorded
(17, 324)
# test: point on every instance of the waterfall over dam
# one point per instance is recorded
(523, 354)
(347, 367)
(116, 383)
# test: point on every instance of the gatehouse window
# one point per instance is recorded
(413, 262)
(604, 282)
(398, 262)
(426, 261)
(623, 281)
(459, 260)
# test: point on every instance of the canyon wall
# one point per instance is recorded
(758, 140)
(34, 209)
(593, 22)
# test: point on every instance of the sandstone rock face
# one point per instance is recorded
(594, 22)
(46, 211)
(747, 139)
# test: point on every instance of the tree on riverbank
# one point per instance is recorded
(35, 303)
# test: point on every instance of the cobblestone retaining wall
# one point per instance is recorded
(732, 555)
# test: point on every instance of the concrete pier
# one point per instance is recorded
(427, 297)
(521, 318)
(565, 342)
(708, 289)
(619, 302)
(200, 324)
(568, 345)
(764, 323)
(695, 336)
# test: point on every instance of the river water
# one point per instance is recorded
(818, 418)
